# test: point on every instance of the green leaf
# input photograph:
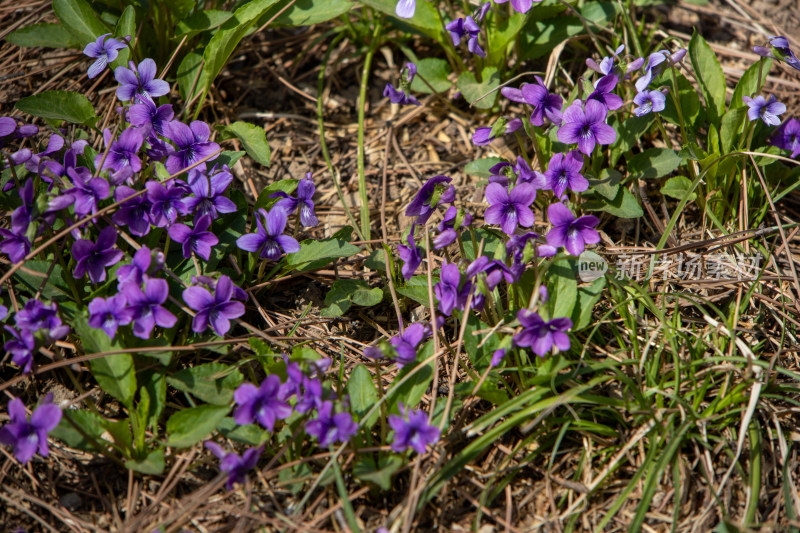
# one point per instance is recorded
(435, 71)
(472, 90)
(45, 34)
(310, 12)
(748, 83)
(381, 473)
(653, 163)
(190, 426)
(180, 8)
(731, 128)
(563, 287)
(687, 95)
(187, 74)
(624, 205)
(676, 188)
(588, 296)
(59, 105)
(55, 286)
(607, 185)
(80, 20)
(425, 20)
(265, 199)
(480, 167)
(114, 373)
(417, 289)
(152, 465)
(90, 425)
(227, 38)
(315, 254)
(542, 33)
(126, 26)
(502, 30)
(211, 382)
(710, 75)
(200, 21)
(630, 132)
(251, 434)
(363, 395)
(252, 137)
(345, 292)
(479, 356)
(152, 395)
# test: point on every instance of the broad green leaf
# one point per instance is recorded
(563, 287)
(624, 205)
(425, 20)
(114, 373)
(227, 38)
(315, 254)
(252, 137)
(417, 289)
(345, 292)
(45, 34)
(152, 395)
(748, 84)
(691, 105)
(501, 33)
(90, 428)
(411, 392)
(188, 79)
(435, 71)
(480, 167)
(676, 188)
(588, 296)
(709, 73)
(363, 395)
(731, 129)
(310, 12)
(59, 105)
(265, 199)
(381, 473)
(126, 26)
(653, 163)
(251, 434)
(152, 465)
(607, 184)
(80, 20)
(472, 90)
(180, 8)
(479, 356)
(543, 33)
(629, 133)
(201, 21)
(211, 382)
(229, 158)
(55, 287)
(190, 426)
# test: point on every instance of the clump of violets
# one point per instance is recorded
(105, 50)
(261, 404)
(412, 430)
(766, 110)
(232, 464)
(28, 436)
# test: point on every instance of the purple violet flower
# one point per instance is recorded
(544, 103)
(193, 145)
(541, 336)
(217, 309)
(405, 8)
(527, 175)
(311, 397)
(209, 194)
(606, 65)
(236, 467)
(37, 316)
(136, 272)
(497, 357)
(196, 239)
(94, 257)
(331, 428)
(412, 430)
(602, 92)
(648, 102)
(509, 209)
(21, 348)
(766, 110)
(447, 291)
(261, 404)
(399, 96)
(569, 232)
(26, 437)
(447, 230)
(149, 118)
(15, 244)
(564, 172)
(482, 136)
(411, 255)
(122, 152)
(466, 28)
(432, 193)
(134, 213)
(781, 44)
(166, 203)
(269, 241)
(88, 191)
(9, 129)
(405, 344)
(786, 137)
(109, 313)
(586, 126)
(139, 83)
(305, 199)
(145, 307)
(105, 51)
(494, 270)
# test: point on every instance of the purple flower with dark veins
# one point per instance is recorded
(509, 209)
(451, 292)
(94, 257)
(494, 271)
(541, 336)
(527, 175)
(139, 83)
(149, 118)
(166, 203)
(786, 137)
(602, 92)
(196, 239)
(269, 240)
(193, 145)
(410, 255)
(766, 110)
(305, 199)
(586, 126)
(21, 348)
(209, 194)
(105, 51)
(217, 309)
(564, 172)
(122, 152)
(88, 191)
(544, 103)
(134, 214)
(431, 194)
(145, 306)
(261, 404)
(412, 430)
(26, 437)
(236, 467)
(109, 313)
(331, 428)
(37, 316)
(571, 233)
(649, 102)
